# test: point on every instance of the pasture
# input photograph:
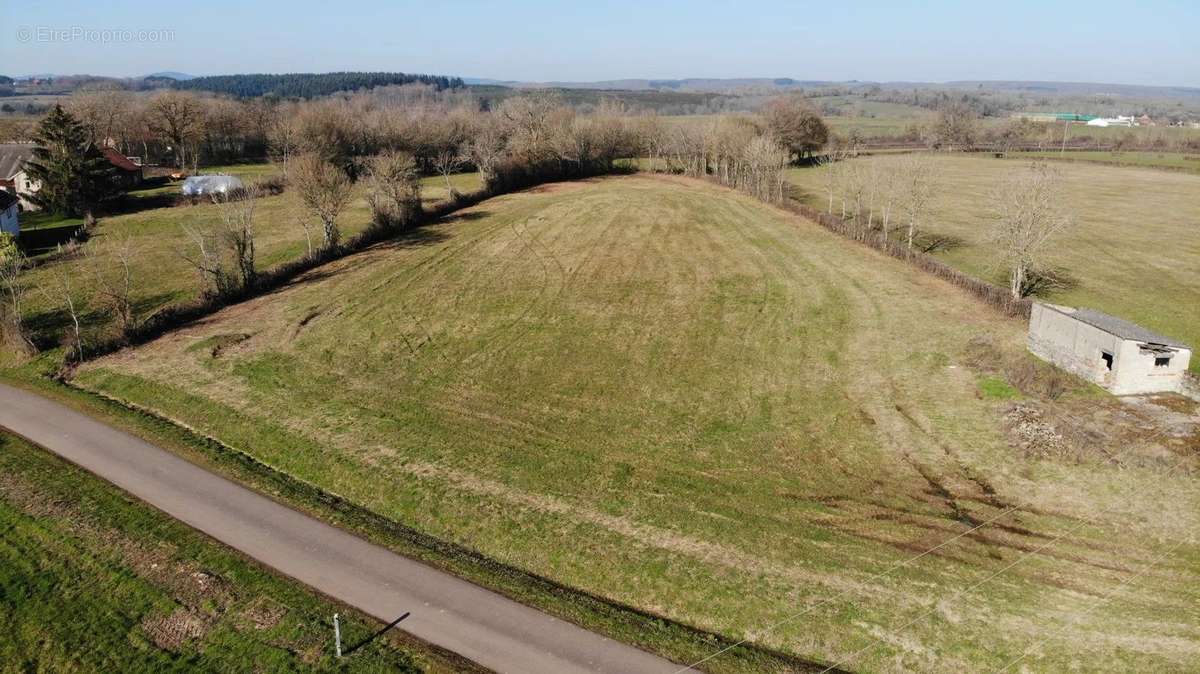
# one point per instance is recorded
(157, 238)
(1132, 252)
(1180, 161)
(90, 581)
(670, 395)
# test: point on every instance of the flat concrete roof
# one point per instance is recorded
(1118, 327)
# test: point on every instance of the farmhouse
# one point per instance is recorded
(1120, 356)
(129, 173)
(13, 178)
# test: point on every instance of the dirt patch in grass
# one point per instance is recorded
(170, 632)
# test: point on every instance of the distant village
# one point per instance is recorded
(1095, 120)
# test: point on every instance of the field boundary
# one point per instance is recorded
(991, 294)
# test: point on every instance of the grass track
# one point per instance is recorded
(673, 396)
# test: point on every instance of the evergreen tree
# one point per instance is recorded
(74, 175)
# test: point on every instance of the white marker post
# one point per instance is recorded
(337, 635)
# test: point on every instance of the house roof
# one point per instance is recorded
(119, 160)
(12, 157)
(7, 199)
(1118, 327)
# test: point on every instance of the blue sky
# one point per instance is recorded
(1094, 41)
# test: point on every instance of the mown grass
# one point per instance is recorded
(1184, 161)
(91, 581)
(671, 396)
(1132, 251)
(160, 273)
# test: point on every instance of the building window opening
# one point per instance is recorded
(1162, 361)
(1108, 360)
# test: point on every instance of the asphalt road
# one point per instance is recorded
(447, 611)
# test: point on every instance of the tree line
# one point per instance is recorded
(307, 85)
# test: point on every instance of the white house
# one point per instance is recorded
(10, 213)
(13, 177)
(1120, 356)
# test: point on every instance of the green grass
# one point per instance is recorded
(44, 220)
(91, 581)
(1133, 250)
(160, 273)
(997, 389)
(1184, 161)
(671, 396)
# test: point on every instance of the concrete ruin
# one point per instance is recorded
(1120, 356)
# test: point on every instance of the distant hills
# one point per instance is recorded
(172, 74)
(734, 85)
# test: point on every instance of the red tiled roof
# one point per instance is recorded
(119, 160)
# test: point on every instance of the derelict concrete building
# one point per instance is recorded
(1120, 356)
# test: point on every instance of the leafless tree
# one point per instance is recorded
(178, 117)
(110, 263)
(835, 173)
(61, 285)
(283, 140)
(393, 188)
(487, 148)
(796, 125)
(1028, 212)
(918, 177)
(237, 230)
(325, 191)
(12, 265)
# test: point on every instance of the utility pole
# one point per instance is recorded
(1063, 151)
(337, 635)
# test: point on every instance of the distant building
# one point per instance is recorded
(13, 178)
(1120, 356)
(1119, 120)
(129, 173)
(10, 213)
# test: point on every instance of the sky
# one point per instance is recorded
(1150, 42)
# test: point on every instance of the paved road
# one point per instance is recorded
(480, 625)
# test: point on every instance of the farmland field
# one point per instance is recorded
(90, 581)
(1184, 161)
(1133, 250)
(678, 398)
(157, 238)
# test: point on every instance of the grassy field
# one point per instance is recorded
(675, 397)
(160, 273)
(90, 581)
(1133, 250)
(1171, 160)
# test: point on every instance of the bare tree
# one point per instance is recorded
(325, 190)
(283, 140)
(62, 286)
(178, 117)
(835, 172)
(796, 125)
(918, 176)
(111, 266)
(12, 264)
(1028, 212)
(393, 189)
(237, 220)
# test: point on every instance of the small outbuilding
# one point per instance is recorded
(1120, 356)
